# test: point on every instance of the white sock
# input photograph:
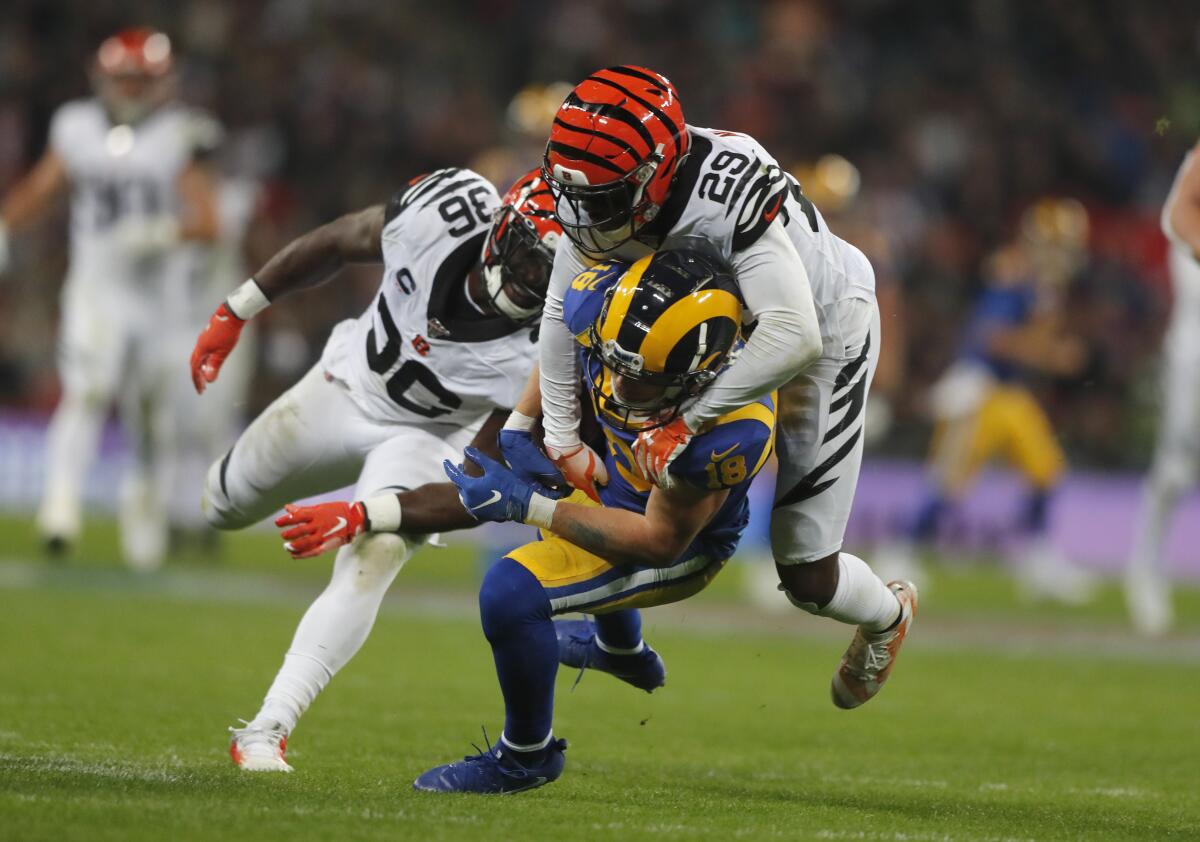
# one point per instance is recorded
(1159, 498)
(335, 626)
(71, 443)
(861, 598)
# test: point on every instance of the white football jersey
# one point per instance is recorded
(422, 352)
(727, 192)
(122, 172)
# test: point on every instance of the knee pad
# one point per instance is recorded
(510, 596)
(377, 557)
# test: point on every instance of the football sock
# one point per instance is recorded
(516, 618)
(620, 633)
(1159, 497)
(71, 442)
(335, 625)
(861, 597)
(1036, 513)
(925, 524)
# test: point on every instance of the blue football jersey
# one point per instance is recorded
(728, 455)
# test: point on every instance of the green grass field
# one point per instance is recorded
(1002, 722)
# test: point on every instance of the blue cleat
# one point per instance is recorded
(577, 647)
(496, 771)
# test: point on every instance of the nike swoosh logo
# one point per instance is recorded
(341, 524)
(222, 318)
(717, 457)
(495, 496)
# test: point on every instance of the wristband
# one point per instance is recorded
(383, 513)
(519, 421)
(540, 512)
(247, 301)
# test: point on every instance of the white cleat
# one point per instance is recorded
(1149, 600)
(257, 749)
(869, 660)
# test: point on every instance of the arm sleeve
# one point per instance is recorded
(787, 339)
(559, 374)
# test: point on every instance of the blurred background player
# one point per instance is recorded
(204, 427)
(1177, 456)
(132, 159)
(984, 408)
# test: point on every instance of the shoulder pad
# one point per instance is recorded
(444, 186)
(585, 296)
(733, 451)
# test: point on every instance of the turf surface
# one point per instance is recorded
(115, 690)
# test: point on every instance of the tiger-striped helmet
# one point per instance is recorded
(666, 330)
(519, 251)
(615, 146)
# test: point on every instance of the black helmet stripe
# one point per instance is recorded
(667, 121)
(616, 141)
(626, 70)
(615, 112)
(583, 155)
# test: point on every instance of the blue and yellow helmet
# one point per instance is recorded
(664, 332)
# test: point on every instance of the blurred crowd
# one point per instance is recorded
(953, 116)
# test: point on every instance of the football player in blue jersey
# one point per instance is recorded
(650, 336)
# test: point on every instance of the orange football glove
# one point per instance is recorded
(317, 529)
(656, 449)
(581, 466)
(214, 345)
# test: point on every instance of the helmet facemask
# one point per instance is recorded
(601, 217)
(516, 266)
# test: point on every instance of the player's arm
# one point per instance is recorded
(1038, 345)
(673, 517)
(787, 338)
(559, 366)
(1181, 214)
(30, 197)
(198, 219)
(434, 507)
(307, 261)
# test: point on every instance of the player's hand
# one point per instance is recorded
(529, 463)
(309, 531)
(499, 495)
(656, 449)
(582, 467)
(214, 345)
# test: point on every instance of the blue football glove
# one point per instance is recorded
(529, 463)
(498, 495)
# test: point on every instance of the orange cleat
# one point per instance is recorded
(868, 662)
(256, 749)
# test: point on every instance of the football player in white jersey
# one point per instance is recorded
(433, 365)
(1177, 456)
(132, 160)
(629, 175)
(206, 424)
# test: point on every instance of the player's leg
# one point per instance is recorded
(338, 622)
(1173, 471)
(819, 462)
(92, 344)
(518, 599)
(148, 422)
(312, 438)
(611, 643)
(1042, 571)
